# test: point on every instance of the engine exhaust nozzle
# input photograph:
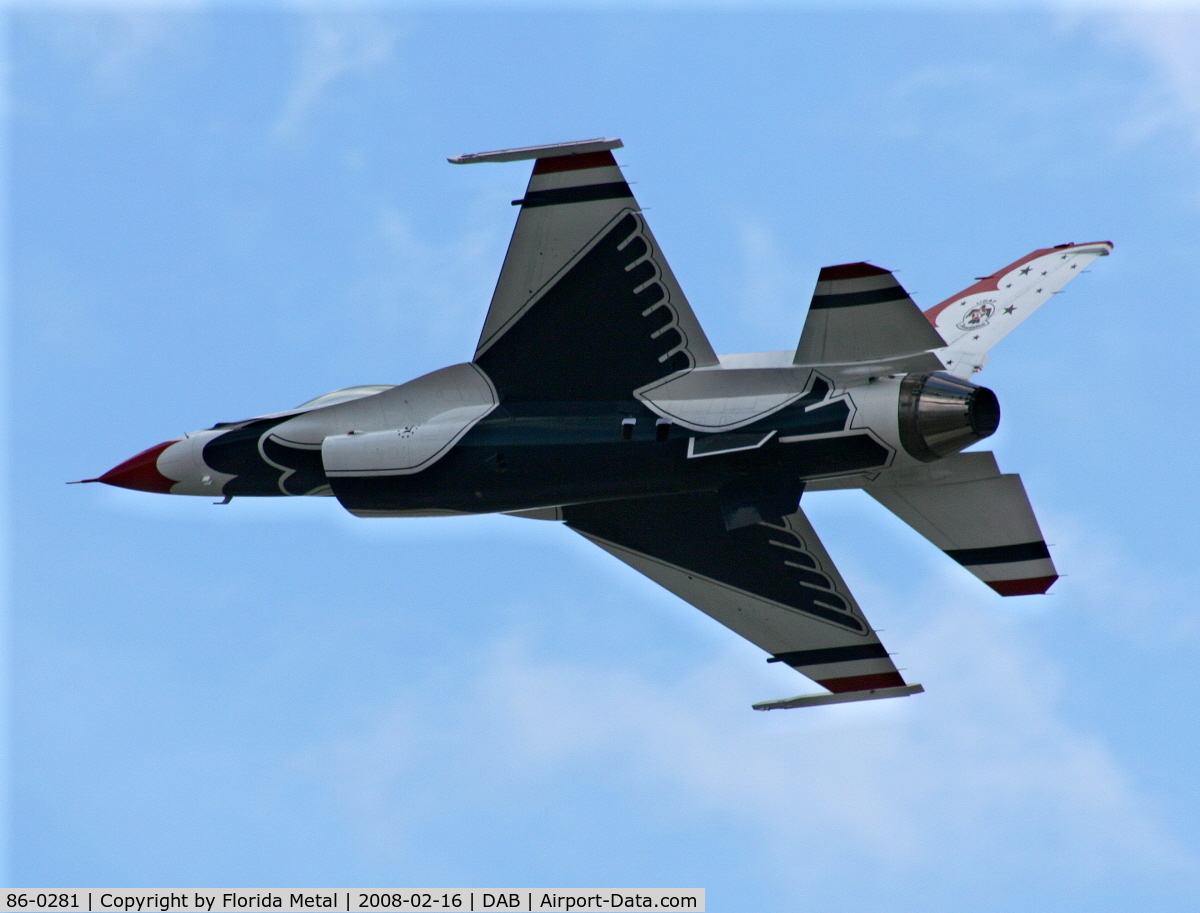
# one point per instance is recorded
(941, 414)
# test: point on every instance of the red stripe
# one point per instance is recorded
(1030, 586)
(849, 271)
(574, 162)
(864, 682)
(992, 282)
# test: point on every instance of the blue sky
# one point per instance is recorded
(219, 211)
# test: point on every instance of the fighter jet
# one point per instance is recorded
(595, 400)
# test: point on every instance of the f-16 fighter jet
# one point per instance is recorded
(594, 399)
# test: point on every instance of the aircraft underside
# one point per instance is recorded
(594, 399)
(525, 456)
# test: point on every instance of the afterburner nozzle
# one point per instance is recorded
(941, 414)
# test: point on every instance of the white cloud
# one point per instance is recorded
(362, 775)
(1149, 606)
(336, 46)
(115, 43)
(1167, 36)
(982, 767)
(774, 295)
(417, 293)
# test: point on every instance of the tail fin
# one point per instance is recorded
(978, 317)
(586, 306)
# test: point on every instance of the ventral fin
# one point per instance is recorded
(860, 313)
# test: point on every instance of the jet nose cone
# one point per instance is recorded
(140, 472)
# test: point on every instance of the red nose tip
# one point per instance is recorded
(140, 472)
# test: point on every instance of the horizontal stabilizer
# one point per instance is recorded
(980, 518)
(860, 313)
(978, 317)
(814, 700)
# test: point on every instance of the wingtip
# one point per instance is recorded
(600, 144)
(845, 697)
(849, 271)
(1030, 586)
(1105, 247)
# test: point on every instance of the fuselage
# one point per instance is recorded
(446, 443)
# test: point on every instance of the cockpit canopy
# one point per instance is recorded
(344, 395)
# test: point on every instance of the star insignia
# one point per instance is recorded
(1025, 271)
(1010, 309)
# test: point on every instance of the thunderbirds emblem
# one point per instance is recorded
(978, 316)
